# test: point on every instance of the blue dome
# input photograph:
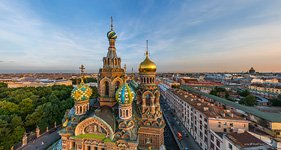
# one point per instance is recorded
(125, 94)
(111, 35)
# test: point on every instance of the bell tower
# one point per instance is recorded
(111, 74)
(151, 130)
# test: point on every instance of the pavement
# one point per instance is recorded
(43, 142)
(187, 142)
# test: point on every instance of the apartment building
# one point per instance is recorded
(200, 116)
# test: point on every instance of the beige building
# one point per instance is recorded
(199, 116)
(15, 84)
(263, 88)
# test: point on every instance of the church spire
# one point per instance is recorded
(111, 23)
(146, 53)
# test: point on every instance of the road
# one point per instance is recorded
(187, 141)
(47, 139)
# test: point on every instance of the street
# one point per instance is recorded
(187, 142)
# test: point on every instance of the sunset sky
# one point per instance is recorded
(184, 36)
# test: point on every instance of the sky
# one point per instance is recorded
(183, 35)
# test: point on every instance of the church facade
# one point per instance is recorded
(124, 117)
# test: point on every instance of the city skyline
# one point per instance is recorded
(189, 36)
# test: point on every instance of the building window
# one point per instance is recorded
(218, 143)
(229, 146)
(212, 145)
(212, 137)
(231, 124)
(106, 86)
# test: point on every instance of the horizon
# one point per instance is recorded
(190, 36)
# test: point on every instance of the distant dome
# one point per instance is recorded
(125, 94)
(147, 65)
(252, 70)
(82, 92)
(111, 35)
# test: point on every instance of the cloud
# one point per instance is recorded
(198, 36)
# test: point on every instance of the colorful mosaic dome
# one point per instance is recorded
(125, 94)
(111, 35)
(82, 92)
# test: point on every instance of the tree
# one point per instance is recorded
(22, 109)
(7, 108)
(221, 92)
(3, 85)
(276, 101)
(249, 100)
(244, 93)
(26, 106)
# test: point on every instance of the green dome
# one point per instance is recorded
(125, 94)
(82, 92)
(111, 35)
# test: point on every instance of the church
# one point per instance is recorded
(125, 117)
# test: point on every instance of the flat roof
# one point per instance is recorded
(205, 107)
(245, 140)
(272, 117)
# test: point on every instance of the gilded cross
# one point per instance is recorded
(82, 68)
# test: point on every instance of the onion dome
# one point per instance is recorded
(82, 92)
(111, 35)
(147, 65)
(125, 94)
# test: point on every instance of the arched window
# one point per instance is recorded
(115, 61)
(117, 84)
(147, 99)
(106, 86)
(127, 113)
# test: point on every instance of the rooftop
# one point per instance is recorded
(244, 140)
(209, 109)
(272, 117)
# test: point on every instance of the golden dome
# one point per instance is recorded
(147, 65)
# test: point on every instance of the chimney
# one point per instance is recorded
(240, 131)
(206, 108)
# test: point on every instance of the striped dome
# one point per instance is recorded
(125, 94)
(82, 92)
(111, 35)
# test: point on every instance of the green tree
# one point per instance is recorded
(35, 117)
(7, 108)
(26, 106)
(249, 100)
(276, 101)
(22, 109)
(244, 93)
(3, 85)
